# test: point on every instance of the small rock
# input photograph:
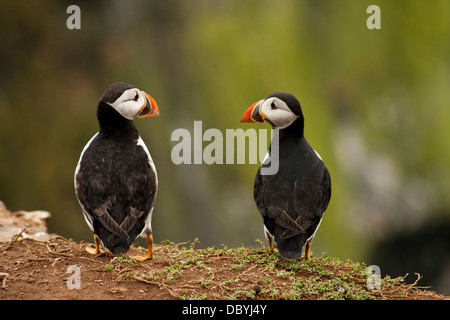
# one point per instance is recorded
(23, 224)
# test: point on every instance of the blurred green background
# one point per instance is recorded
(376, 104)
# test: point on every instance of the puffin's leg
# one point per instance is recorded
(149, 250)
(270, 239)
(308, 250)
(97, 246)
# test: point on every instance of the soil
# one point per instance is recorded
(35, 265)
(34, 269)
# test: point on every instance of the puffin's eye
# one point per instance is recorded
(136, 97)
(273, 105)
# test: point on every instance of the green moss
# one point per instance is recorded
(246, 273)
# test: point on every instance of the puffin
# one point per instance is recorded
(115, 179)
(291, 201)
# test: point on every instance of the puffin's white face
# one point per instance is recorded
(134, 102)
(276, 112)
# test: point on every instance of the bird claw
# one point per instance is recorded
(94, 251)
(140, 259)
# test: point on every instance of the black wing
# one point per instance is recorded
(311, 200)
(292, 207)
(116, 199)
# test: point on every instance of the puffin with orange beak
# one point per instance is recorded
(291, 201)
(115, 179)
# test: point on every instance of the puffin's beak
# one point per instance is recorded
(149, 109)
(252, 114)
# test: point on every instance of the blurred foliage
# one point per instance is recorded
(376, 104)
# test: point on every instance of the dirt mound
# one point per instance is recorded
(62, 269)
(52, 267)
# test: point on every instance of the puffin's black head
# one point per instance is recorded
(129, 101)
(279, 109)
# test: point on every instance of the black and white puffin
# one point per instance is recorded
(115, 179)
(291, 201)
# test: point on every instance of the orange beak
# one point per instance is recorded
(252, 114)
(149, 109)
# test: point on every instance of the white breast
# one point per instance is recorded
(141, 143)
